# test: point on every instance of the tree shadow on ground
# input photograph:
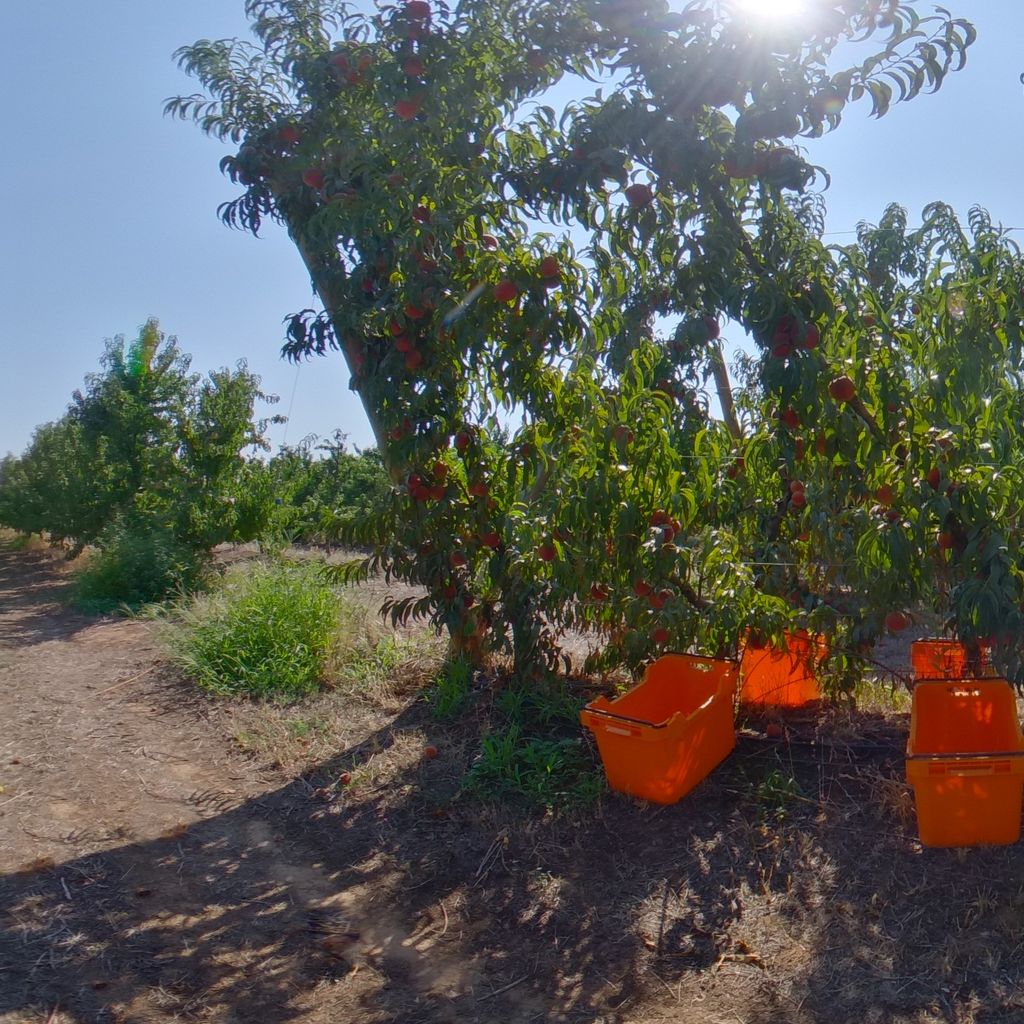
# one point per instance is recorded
(29, 586)
(789, 887)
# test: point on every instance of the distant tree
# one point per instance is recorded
(143, 438)
(56, 487)
(320, 485)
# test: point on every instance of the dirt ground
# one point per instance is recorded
(153, 872)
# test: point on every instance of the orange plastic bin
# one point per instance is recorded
(661, 738)
(782, 676)
(943, 659)
(965, 760)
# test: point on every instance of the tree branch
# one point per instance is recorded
(724, 388)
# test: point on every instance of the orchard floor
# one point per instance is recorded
(154, 872)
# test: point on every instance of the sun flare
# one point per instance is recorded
(773, 10)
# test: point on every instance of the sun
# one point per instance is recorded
(776, 11)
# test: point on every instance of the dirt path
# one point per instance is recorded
(153, 874)
(92, 754)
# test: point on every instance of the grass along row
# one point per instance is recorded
(311, 671)
(321, 665)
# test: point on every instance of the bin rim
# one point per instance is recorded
(645, 722)
(979, 755)
(607, 712)
(953, 680)
(693, 657)
(952, 640)
(601, 713)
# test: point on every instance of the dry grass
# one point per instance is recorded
(297, 737)
(373, 667)
(370, 665)
(883, 696)
(893, 797)
(33, 543)
(23, 542)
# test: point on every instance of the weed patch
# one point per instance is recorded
(881, 695)
(776, 792)
(553, 774)
(450, 694)
(270, 632)
(535, 753)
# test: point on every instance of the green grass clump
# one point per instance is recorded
(535, 753)
(556, 774)
(451, 691)
(270, 632)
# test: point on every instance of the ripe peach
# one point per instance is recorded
(896, 622)
(505, 291)
(842, 389)
(313, 177)
(407, 109)
(639, 195)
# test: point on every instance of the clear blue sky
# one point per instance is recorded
(110, 208)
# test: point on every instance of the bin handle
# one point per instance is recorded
(622, 730)
(996, 755)
(597, 712)
(989, 768)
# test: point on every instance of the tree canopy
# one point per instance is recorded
(530, 299)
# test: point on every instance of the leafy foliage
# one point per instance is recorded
(147, 453)
(530, 302)
(314, 489)
(53, 488)
(139, 561)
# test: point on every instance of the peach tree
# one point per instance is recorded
(526, 222)
(899, 439)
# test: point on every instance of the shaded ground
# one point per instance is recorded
(152, 873)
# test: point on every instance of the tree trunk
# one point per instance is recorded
(331, 302)
(459, 644)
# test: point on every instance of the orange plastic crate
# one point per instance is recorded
(964, 760)
(943, 659)
(783, 676)
(661, 738)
